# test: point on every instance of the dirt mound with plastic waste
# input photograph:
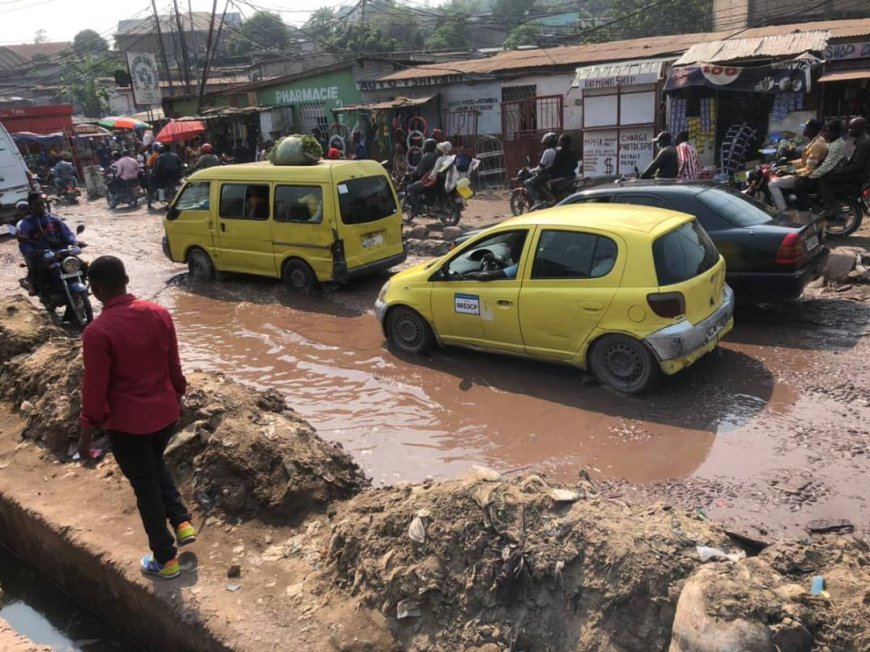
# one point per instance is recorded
(244, 452)
(489, 563)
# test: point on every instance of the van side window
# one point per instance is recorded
(299, 204)
(244, 201)
(194, 197)
(570, 254)
(366, 200)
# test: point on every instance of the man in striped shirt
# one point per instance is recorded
(687, 158)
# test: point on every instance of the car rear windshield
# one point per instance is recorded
(683, 253)
(365, 200)
(736, 208)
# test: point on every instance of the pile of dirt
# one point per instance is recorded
(244, 451)
(488, 563)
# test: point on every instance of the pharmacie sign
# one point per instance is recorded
(315, 94)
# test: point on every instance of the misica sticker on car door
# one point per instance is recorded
(466, 304)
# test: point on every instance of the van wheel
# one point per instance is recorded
(408, 330)
(300, 277)
(623, 363)
(199, 266)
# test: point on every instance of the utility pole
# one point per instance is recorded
(208, 50)
(193, 34)
(214, 46)
(184, 59)
(160, 45)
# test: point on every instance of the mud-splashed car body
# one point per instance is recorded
(627, 292)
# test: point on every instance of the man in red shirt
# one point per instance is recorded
(132, 389)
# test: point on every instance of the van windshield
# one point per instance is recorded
(366, 200)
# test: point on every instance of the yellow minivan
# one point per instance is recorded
(306, 224)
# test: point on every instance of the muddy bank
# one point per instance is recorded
(10, 641)
(483, 563)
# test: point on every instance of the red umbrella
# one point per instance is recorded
(178, 130)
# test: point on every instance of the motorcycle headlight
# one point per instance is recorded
(71, 265)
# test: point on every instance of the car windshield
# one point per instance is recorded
(737, 208)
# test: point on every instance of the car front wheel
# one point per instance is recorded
(624, 364)
(409, 331)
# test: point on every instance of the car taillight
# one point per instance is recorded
(792, 250)
(667, 304)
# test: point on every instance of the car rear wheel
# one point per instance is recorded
(409, 331)
(300, 277)
(199, 266)
(623, 363)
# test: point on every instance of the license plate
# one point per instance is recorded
(714, 330)
(812, 242)
(372, 240)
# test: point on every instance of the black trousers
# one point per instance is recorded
(834, 184)
(141, 460)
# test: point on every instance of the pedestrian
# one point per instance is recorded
(132, 389)
(687, 158)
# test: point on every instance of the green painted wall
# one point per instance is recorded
(335, 89)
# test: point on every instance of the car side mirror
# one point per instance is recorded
(172, 213)
(80, 229)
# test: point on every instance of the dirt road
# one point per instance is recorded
(769, 433)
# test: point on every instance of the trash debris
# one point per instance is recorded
(417, 530)
(564, 495)
(705, 553)
(234, 571)
(483, 473)
(817, 585)
(408, 609)
(836, 526)
(26, 407)
(233, 587)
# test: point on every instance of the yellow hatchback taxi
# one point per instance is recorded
(626, 292)
(306, 224)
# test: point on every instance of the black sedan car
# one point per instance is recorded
(769, 255)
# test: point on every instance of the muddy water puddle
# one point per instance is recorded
(406, 419)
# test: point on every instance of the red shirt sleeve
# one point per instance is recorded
(97, 353)
(175, 373)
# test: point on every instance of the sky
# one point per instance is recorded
(63, 19)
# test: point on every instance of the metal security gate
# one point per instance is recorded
(524, 122)
(460, 128)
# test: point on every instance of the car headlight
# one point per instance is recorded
(383, 293)
(71, 265)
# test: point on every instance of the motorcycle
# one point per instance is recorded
(67, 286)
(434, 202)
(848, 211)
(120, 191)
(163, 194)
(520, 200)
(68, 192)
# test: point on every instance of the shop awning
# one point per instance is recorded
(620, 73)
(396, 103)
(844, 75)
(764, 47)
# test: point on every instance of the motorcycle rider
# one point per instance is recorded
(426, 165)
(853, 173)
(64, 174)
(536, 185)
(124, 171)
(666, 164)
(814, 153)
(565, 165)
(167, 169)
(832, 133)
(39, 235)
(208, 159)
(358, 149)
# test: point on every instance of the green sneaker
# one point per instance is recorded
(185, 533)
(150, 566)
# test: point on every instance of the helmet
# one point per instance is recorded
(116, 155)
(207, 148)
(429, 145)
(445, 147)
(157, 147)
(549, 139)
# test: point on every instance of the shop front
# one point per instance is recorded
(845, 81)
(620, 115)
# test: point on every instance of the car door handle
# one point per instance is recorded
(504, 302)
(592, 306)
(223, 226)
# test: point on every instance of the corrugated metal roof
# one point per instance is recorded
(761, 47)
(11, 61)
(643, 48)
(395, 103)
(27, 50)
(844, 75)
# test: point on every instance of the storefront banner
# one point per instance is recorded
(600, 150)
(635, 149)
(145, 79)
(842, 51)
(783, 76)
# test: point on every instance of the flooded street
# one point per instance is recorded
(784, 400)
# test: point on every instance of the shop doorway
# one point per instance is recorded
(524, 122)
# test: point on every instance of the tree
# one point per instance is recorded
(320, 24)
(512, 13)
(525, 34)
(662, 17)
(88, 83)
(40, 36)
(263, 31)
(88, 43)
(453, 32)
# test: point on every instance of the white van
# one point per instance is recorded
(14, 182)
